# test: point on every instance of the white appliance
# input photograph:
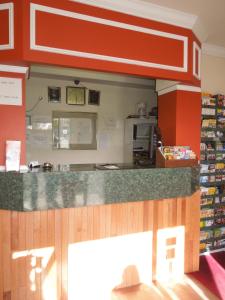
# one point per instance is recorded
(138, 140)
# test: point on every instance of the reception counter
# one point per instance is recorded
(84, 229)
(86, 185)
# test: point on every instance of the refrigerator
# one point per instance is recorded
(139, 143)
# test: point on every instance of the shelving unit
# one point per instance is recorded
(212, 176)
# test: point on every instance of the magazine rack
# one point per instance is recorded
(161, 162)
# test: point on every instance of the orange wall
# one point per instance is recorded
(167, 117)
(180, 119)
(4, 29)
(12, 123)
(188, 120)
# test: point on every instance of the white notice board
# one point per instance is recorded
(10, 91)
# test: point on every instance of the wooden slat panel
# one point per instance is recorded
(1, 255)
(6, 252)
(32, 235)
(58, 251)
(43, 229)
(192, 232)
(148, 215)
(65, 243)
(119, 219)
(135, 217)
(80, 226)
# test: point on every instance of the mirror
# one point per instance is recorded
(74, 130)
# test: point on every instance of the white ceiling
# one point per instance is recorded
(210, 13)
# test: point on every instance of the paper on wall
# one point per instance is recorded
(81, 131)
(13, 149)
(10, 91)
(41, 122)
(103, 141)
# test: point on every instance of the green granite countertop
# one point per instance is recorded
(84, 185)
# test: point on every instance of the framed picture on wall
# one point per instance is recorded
(54, 94)
(75, 95)
(94, 97)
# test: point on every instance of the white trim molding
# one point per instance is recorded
(180, 87)
(10, 7)
(23, 168)
(197, 49)
(14, 69)
(213, 50)
(69, 14)
(146, 10)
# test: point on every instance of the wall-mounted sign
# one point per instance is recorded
(10, 91)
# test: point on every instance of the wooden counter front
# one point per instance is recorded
(43, 253)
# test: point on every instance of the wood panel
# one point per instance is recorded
(34, 246)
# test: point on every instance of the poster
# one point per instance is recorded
(10, 91)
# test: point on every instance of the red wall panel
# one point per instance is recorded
(167, 110)
(87, 36)
(12, 123)
(4, 27)
(67, 33)
(180, 119)
(189, 120)
(15, 56)
(63, 32)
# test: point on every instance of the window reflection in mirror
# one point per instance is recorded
(74, 130)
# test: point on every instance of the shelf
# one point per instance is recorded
(219, 204)
(207, 240)
(213, 217)
(207, 174)
(209, 106)
(215, 207)
(219, 237)
(207, 139)
(212, 139)
(207, 218)
(212, 239)
(209, 196)
(212, 184)
(208, 116)
(207, 206)
(212, 161)
(218, 247)
(205, 162)
(205, 250)
(209, 129)
(213, 174)
(209, 151)
(211, 227)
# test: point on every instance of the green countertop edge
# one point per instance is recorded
(58, 189)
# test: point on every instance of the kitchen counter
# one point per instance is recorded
(85, 185)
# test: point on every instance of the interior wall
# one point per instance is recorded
(164, 84)
(9, 116)
(116, 103)
(213, 74)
